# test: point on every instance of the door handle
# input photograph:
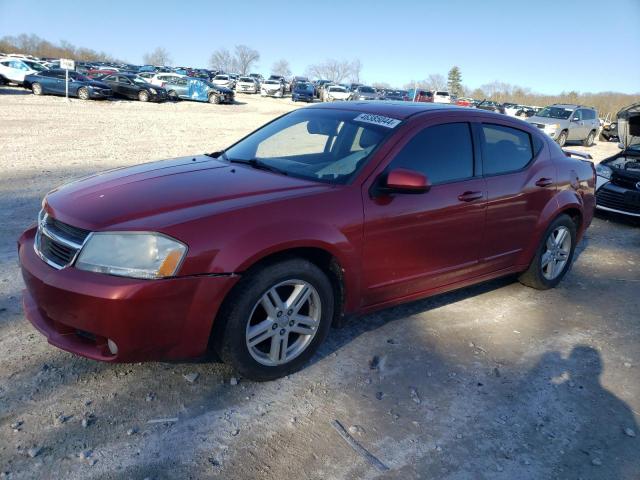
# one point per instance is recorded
(470, 196)
(544, 182)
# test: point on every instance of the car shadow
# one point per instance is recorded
(618, 218)
(8, 90)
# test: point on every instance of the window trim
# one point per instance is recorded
(475, 165)
(478, 126)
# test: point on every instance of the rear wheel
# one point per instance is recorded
(588, 142)
(275, 319)
(143, 96)
(553, 256)
(83, 93)
(36, 88)
(562, 138)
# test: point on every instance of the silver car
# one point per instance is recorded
(568, 123)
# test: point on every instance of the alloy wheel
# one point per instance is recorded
(556, 253)
(283, 322)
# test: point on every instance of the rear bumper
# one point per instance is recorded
(147, 319)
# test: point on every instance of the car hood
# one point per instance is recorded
(543, 120)
(160, 194)
(629, 125)
(96, 83)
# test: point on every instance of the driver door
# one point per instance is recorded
(414, 243)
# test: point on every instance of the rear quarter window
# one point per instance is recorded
(506, 149)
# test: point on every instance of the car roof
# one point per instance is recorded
(399, 110)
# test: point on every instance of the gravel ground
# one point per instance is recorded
(497, 381)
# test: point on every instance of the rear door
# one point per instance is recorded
(417, 242)
(521, 181)
(576, 126)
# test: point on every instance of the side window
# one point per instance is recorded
(505, 149)
(110, 78)
(577, 115)
(588, 114)
(124, 80)
(443, 153)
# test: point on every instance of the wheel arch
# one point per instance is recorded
(322, 258)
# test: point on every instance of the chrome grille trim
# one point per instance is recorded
(59, 241)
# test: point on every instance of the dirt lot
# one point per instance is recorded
(496, 381)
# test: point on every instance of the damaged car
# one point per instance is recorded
(618, 180)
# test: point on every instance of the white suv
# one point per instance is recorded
(441, 97)
(14, 69)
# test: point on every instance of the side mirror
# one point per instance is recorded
(401, 180)
(575, 119)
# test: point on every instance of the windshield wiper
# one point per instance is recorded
(255, 163)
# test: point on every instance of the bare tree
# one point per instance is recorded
(38, 47)
(336, 70)
(435, 81)
(158, 57)
(222, 60)
(245, 59)
(281, 67)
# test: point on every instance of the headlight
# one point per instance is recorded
(137, 255)
(553, 126)
(603, 171)
(153, 90)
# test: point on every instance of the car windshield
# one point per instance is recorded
(221, 77)
(246, 79)
(366, 90)
(139, 80)
(304, 87)
(36, 66)
(77, 76)
(322, 145)
(272, 82)
(555, 112)
(337, 89)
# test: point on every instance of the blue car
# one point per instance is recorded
(53, 82)
(302, 92)
(188, 88)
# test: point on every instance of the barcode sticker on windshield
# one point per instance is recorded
(377, 120)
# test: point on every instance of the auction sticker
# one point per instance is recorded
(377, 120)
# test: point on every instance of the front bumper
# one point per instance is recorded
(617, 199)
(161, 96)
(100, 93)
(147, 319)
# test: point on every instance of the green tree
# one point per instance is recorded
(454, 81)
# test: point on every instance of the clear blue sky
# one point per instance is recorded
(549, 46)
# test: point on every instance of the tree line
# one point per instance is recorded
(244, 59)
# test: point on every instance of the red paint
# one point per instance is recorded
(392, 247)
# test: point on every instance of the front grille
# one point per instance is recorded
(58, 243)
(615, 199)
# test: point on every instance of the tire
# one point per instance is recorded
(36, 88)
(173, 96)
(243, 309)
(540, 275)
(562, 138)
(83, 93)
(143, 96)
(588, 142)
(213, 98)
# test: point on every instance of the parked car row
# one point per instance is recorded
(100, 82)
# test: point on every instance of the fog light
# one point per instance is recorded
(113, 348)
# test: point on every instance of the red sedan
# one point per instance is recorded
(326, 212)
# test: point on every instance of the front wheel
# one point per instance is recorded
(588, 142)
(83, 93)
(36, 88)
(562, 138)
(213, 98)
(143, 96)
(553, 256)
(275, 319)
